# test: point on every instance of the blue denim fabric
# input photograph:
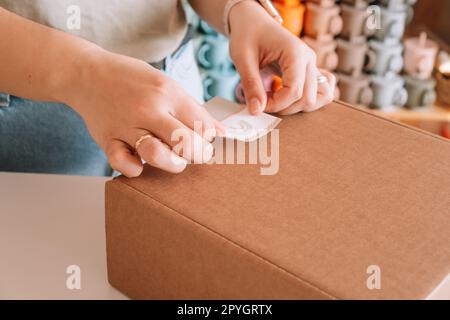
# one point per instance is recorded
(45, 137)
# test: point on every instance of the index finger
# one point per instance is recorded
(293, 78)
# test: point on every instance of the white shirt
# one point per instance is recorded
(144, 29)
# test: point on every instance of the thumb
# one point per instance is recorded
(254, 91)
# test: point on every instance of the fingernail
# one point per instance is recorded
(255, 106)
(177, 160)
(264, 107)
(208, 152)
(135, 170)
(210, 133)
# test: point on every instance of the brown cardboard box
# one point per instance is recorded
(354, 194)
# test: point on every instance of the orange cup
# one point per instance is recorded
(277, 83)
(289, 3)
(446, 131)
(322, 23)
(292, 16)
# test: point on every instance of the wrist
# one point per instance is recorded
(73, 71)
(248, 11)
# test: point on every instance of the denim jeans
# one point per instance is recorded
(45, 137)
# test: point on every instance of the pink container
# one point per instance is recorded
(420, 56)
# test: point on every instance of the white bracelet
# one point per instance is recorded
(226, 14)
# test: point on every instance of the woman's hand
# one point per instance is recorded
(123, 99)
(256, 41)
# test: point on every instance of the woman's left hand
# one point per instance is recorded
(256, 41)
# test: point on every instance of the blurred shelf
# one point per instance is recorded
(436, 113)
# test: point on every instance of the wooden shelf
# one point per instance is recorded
(435, 113)
(438, 112)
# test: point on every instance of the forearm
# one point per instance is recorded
(211, 11)
(37, 62)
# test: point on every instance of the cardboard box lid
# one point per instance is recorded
(353, 190)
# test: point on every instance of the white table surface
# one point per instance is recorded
(47, 223)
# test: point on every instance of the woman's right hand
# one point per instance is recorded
(122, 99)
